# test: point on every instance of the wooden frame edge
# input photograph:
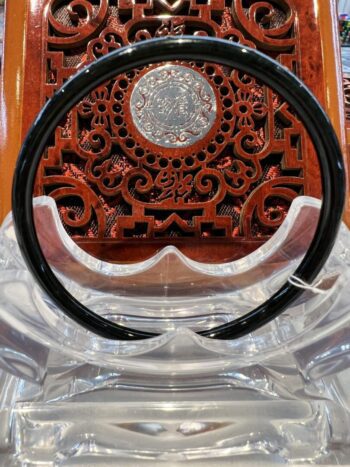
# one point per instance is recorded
(11, 96)
(332, 69)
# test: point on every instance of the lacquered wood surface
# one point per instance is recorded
(316, 61)
(11, 97)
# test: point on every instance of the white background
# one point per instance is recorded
(344, 6)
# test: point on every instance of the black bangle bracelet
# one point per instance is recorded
(218, 51)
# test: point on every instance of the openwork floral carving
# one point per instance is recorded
(114, 182)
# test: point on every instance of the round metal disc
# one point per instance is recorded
(173, 106)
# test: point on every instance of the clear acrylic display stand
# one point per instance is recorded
(279, 395)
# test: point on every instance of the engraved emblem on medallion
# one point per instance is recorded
(173, 106)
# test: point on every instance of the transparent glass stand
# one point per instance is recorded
(279, 395)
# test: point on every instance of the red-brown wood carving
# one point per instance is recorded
(346, 82)
(124, 186)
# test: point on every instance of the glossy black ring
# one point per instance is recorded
(184, 48)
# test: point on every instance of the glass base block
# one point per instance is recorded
(203, 432)
(277, 396)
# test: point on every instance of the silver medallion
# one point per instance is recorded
(173, 106)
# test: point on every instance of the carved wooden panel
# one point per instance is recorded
(346, 82)
(346, 87)
(124, 186)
